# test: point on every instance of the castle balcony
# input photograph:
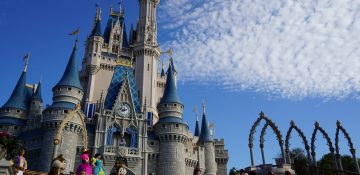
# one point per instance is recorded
(121, 151)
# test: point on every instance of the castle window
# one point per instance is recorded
(66, 111)
(177, 125)
(69, 89)
(7, 110)
(96, 47)
(148, 67)
(15, 127)
(18, 111)
(59, 89)
(163, 125)
(152, 143)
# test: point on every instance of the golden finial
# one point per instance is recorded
(26, 59)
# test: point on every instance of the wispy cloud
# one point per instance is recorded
(292, 48)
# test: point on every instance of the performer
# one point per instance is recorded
(20, 162)
(84, 168)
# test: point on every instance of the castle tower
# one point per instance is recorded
(92, 58)
(207, 142)
(13, 113)
(171, 130)
(35, 109)
(147, 54)
(104, 51)
(67, 93)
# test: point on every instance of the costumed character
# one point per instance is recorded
(84, 168)
(57, 166)
(20, 162)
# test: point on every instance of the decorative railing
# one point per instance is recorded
(121, 151)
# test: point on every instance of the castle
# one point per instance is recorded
(130, 108)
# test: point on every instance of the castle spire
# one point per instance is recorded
(18, 98)
(71, 74)
(205, 130)
(162, 69)
(170, 92)
(197, 127)
(37, 93)
(96, 31)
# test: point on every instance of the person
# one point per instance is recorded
(20, 162)
(271, 173)
(84, 168)
(98, 168)
(287, 173)
(252, 173)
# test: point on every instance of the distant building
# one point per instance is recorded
(131, 107)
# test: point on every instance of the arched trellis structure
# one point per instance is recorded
(69, 117)
(273, 127)
(339, 128)
(302, 136)
(329, 143)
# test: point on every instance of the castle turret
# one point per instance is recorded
(171, 130)
(67, 93)
(13, 113)
(35, 109)
(206, 141)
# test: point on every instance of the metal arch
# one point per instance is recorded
(329, 143)
(262, 140)
(67, 119)
(339, 128)
(302, 136)
(273, 127)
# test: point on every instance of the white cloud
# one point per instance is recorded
(292, 48)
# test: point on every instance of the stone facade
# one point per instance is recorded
(131, 108)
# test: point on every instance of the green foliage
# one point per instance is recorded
(11, 145)
(300, 164)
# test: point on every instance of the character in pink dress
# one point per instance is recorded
(84, 168)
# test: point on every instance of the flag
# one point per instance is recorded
(75, 32)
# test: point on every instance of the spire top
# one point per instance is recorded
(205, 135)
(197, 127)
(71, 74)
(26, 59)
(203, 107)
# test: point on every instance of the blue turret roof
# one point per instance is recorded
(170, 92)
(97, 29)
(205, 131)
(197, 128)
(71, 74)
(37, 94)
(19, 97)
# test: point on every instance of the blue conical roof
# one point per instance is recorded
(97, 29)
(71, 74)
(170, 93)
(37, 94)
(19, 97)
(205, 131)
(197, 129)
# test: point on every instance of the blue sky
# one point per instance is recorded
(241, 57)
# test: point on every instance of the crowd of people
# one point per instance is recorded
(244, 172)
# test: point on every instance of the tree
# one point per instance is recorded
(300, 164)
